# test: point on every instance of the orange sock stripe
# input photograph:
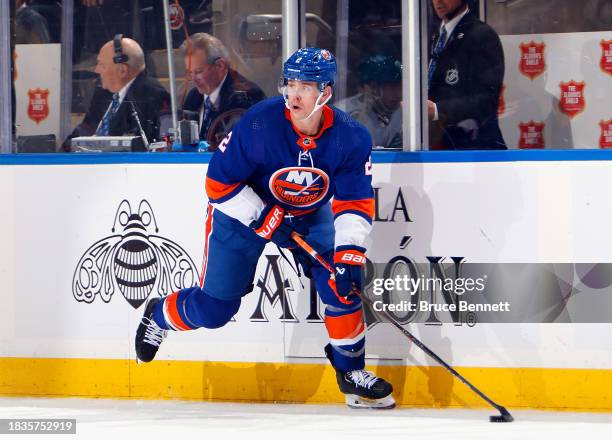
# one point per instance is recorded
(345, 327)
(355, 337)
(172, 314)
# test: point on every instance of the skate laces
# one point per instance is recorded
(154, 335)
(362, 378)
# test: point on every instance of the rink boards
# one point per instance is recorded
(57, 338)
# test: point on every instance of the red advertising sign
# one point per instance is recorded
(571, 101)
(532, 135)
(605, 140)
(606, 56)
(532, 63)
(38, 107)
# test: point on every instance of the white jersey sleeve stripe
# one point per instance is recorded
(246, 206)
(351, 229)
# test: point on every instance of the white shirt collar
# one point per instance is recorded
(214, 95)
(121, 94)
(124, 90)
(452, 24)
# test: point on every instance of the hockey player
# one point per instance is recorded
(273, 174)
(378, 105)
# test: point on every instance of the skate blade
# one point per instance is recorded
(354, 401)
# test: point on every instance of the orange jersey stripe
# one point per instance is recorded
(207, 233)
(366, 206)
(345, 327)
(217, 190)
(173, 314)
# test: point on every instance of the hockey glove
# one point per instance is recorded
(273, 225)
(348, 269)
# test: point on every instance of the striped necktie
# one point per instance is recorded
(436, 53)
(104, 128)
(207, 112)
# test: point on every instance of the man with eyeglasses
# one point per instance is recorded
(218, 88)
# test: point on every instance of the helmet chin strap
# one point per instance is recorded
(318, 105)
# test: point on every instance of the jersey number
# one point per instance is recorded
(223, 145)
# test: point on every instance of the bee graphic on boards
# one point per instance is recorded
(136, 261)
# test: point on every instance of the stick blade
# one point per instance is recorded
(503, 417)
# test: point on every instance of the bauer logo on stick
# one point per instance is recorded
(299, 186)
(136, 261)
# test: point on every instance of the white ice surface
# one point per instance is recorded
(130, 419)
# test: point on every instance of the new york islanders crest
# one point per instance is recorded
(301, 187)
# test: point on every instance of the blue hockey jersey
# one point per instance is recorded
(266, 160)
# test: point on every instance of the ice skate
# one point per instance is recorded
(363, 389)
(149, 335)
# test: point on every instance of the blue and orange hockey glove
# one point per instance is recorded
(348, 269)
(275, 226)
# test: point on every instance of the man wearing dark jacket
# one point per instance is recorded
(218, 88)
(465, 74)
(124, 88)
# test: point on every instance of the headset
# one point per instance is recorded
(119, 57)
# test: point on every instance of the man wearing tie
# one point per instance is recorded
(218, 88)
(124, 88)
(465, 76)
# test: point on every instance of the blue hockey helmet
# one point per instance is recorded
(311, 64)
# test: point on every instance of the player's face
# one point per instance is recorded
(445, 7)
(302, 97)
(112, 76)
(205, 76)
(391, 95)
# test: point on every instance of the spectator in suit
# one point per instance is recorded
(466, 72)
(124, 86)
(218, 88)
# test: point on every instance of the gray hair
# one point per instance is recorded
(211, 46)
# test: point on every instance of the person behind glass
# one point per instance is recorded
(465, 76)
(378, 105)
(30, 26)
(124, 87)
(218, 88)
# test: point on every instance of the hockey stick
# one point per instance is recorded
(503, 417)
